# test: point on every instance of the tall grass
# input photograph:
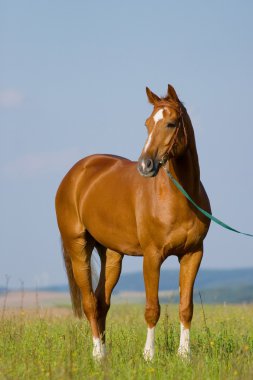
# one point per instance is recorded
(54, 345)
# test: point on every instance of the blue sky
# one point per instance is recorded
(72, 83)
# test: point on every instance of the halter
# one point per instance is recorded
(170, 152)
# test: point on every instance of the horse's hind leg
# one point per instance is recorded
(80, 250)
(111, 263)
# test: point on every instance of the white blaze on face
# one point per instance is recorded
(149, 349)
(157, 116)
(184, 345)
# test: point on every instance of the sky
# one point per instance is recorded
(72, 83)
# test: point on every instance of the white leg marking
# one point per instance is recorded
(149, 349)
(98, 349)
(103, 349)
(184, 345)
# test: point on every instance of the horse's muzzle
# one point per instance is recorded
(147, 167)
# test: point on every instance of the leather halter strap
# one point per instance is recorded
(173, 143)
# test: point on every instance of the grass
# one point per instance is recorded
(54, 345)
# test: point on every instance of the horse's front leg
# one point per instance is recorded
(151, 273)
(189, 265)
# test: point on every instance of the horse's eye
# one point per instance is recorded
(170, 125)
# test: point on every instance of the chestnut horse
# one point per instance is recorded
(104, 202)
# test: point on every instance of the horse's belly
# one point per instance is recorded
(111, 231)
(108, 214)
(117, 238)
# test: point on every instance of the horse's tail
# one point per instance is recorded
(75, 292)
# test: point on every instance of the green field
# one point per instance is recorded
(51, 344)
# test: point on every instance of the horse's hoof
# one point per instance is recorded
(98, 352)
(184, 355)
(98, 356)
(148, 354)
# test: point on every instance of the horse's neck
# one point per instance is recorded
(186, 167)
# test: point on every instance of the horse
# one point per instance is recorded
(121, 207)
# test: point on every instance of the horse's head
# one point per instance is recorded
(167, 136)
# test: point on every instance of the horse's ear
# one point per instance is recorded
(152, 98)
(171, 93)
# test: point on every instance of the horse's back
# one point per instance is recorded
(87, 167)
(97, 161)
(82, 176)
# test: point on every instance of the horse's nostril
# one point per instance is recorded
(149, 164)
(146, 166)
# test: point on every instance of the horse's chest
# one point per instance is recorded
(175, 231)
(184, 237)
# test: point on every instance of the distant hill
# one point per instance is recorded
(216, 286)
(206, 279)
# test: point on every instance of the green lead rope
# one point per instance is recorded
(180, 188)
